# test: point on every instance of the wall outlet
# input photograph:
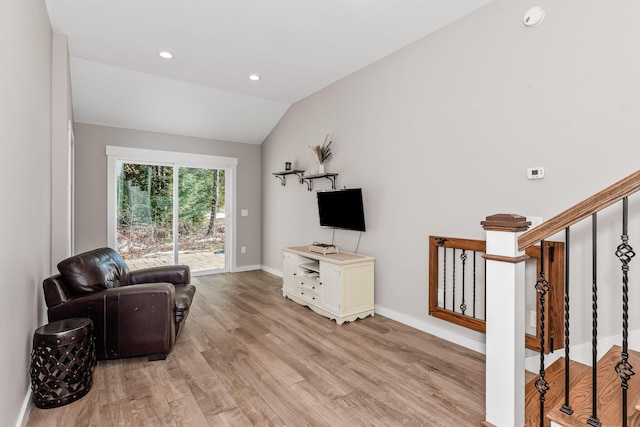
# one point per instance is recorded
(533, 319)
(244, 212)
(243, 250)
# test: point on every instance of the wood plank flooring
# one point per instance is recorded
(554, 398)
(250, 357)
(609, 397)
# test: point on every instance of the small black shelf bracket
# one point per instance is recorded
(308, 179)
(282, 176)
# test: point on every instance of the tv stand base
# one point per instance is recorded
(338, 318)
(338, 286)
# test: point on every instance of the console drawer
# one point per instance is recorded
(308, 294)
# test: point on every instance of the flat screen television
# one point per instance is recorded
(341, 209)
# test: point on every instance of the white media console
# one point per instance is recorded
(338, 286)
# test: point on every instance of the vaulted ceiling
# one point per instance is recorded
(297, 47)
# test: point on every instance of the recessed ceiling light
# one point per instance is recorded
(254, 77)
(166, 55)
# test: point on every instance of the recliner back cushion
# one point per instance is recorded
(95, 270)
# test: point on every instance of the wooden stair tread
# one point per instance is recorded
(554, 375)
(609, 395)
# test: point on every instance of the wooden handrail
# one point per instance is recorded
(605, 198)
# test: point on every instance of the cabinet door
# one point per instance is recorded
(289, 266)
(331, 286)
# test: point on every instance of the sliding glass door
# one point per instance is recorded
(201, 218)
(145, 214)
(167, 213)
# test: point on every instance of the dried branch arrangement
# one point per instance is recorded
(322, 153)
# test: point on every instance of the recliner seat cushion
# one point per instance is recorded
(92, 271)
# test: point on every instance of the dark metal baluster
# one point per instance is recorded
(593, 419)
(542, 287)
(463, 258)
(444, 295)
(625, 252)
(453, 301)
(566, 406)
(474, 284)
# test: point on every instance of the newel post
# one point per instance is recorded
(505, 321)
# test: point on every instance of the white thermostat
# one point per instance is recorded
(535, 173)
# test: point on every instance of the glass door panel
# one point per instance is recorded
(144, 234)
(201, 218)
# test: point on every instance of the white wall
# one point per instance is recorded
(439, 135)
(25, 148)
(91, 182)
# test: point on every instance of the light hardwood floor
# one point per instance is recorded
(248, 356)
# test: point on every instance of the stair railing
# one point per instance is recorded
(590, 207)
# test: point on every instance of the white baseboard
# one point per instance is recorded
(432, 329)
(582, 353)
(415, 323)
(271, 270)
(532, 363)
(243, 268)
(25, 410)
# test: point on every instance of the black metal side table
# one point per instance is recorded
(62, 362)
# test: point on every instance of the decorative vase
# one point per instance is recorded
(321, 169)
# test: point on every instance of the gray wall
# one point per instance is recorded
(439, 135)
(25, 147)
(91, 181)
(61, 115)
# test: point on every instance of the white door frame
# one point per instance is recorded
(116, 154)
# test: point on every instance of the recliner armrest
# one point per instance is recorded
(175, 274)
(54, 291)
(79, 305)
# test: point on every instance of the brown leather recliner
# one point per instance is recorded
(134, 313)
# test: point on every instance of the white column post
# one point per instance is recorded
(505, 282)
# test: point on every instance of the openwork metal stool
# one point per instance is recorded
(62, 362)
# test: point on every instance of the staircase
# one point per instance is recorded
(608, 396)
(605, 395)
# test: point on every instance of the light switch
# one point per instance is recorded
(244, 212)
